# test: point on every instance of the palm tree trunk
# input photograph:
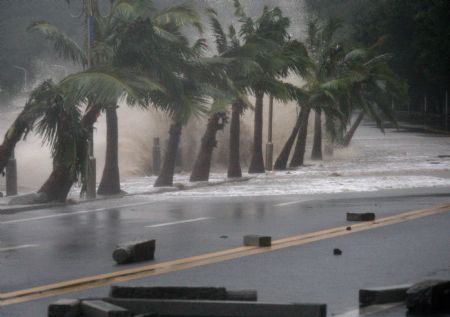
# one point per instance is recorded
(202, 165)
(110, 183)
(257, 162)
(165, 177)
(281, 162)
(58, 184)
(348, 137)
(234, 165)
(316, 153)
(298, 157)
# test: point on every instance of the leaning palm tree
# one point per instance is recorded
(68, 133)
(34, 109)
(324, 54)
(370, 86)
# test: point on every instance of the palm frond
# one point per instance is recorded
(219, 35)
(64, 45)
(105, 87)
(179, 16)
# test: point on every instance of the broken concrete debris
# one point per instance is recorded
(257, 241)
(135, 252)
(187, 293)
(366, 216)
(65, 308)
(382, 295)
(429, 296)
(180, 302)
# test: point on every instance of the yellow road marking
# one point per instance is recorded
(204, 259)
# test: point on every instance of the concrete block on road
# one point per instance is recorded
(257, 240)
(243, 295)
(135, 252)
(65, 308)
(99, 308)
(429, 296)
(382, 295)
(205, 293)
(187, 293)
(187, 308)
(366, 216)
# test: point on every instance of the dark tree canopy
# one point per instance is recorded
(416, 32)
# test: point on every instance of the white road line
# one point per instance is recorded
(71, 213)
(177, 222)
(289, 203)
(19, 247)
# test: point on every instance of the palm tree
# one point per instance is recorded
(325, 54)
(277, 55)
(67, 131)
(371, 86)
(34, 108)
(239, 71)
(108, 51)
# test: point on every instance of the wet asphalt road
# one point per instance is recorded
(77, 241)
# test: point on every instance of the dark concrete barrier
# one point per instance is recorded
(367, 216)
(257, 241)
(186, 293)
(382, 295)
(135, 252)
(99, 308)
(429, 296)
(65, 308)
(187, 308)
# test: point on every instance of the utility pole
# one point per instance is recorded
(269, 145)
(91, 166)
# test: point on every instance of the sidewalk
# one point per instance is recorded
(7, 208)
(401, 159)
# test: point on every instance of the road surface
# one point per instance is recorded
(42, 247)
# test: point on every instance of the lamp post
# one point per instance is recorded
(91, 178)
(269, 145)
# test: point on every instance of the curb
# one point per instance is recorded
(9, 210)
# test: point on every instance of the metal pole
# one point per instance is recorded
(269, 145)
(446, 110)
(91, 177)
(424, 110)
(156, 157)
(11, 176)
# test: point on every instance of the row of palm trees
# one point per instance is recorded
(142, 56)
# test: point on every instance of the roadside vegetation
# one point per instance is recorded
(141, 56)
